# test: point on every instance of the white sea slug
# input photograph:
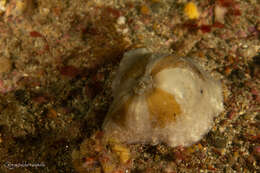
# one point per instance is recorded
(161, 99)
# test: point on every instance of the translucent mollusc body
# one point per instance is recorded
(161, 99)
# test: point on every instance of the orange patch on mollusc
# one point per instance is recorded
(163, 107)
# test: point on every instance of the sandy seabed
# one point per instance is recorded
(57, 61)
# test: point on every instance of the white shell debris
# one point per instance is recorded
(161, 99)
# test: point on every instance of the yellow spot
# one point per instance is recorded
(199, 146)
(121, 151)
(163, 107)
(191, 11)
(190, 150)
(145, 10)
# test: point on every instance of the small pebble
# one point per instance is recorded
(244, 46)
(121, 20)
